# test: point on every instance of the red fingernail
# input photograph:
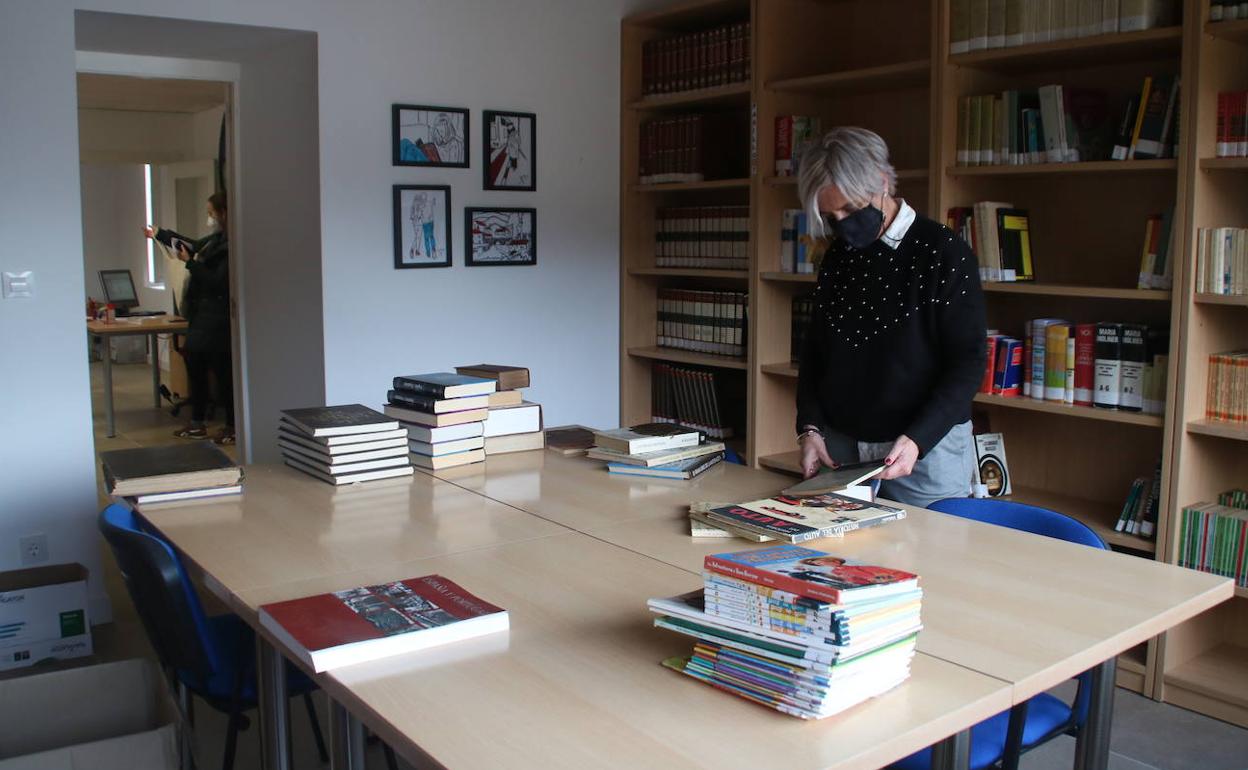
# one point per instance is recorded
(889, 461)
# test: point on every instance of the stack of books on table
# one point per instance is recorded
(343, 444)
(657, 449)
(444, 414)
(513, 424)
(801, 631)
(163, 474)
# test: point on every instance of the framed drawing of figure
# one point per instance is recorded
(510, 150)
(429, 136)
(422, 226)
(500, 236)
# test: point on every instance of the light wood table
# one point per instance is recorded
(146, 325)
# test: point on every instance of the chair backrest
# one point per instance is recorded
(162, 593)
(1038, 521)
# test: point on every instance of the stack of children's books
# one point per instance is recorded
(801, 631)
(444, 414)
(511, 424)
(343, 444)
(163, 474)
(656, 450)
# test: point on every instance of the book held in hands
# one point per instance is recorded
(343, 628)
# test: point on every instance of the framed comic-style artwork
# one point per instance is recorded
(500, 236)
(510, 150)
(436, 137)
(422, 226)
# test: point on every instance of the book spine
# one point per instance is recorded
(419, 387)
(1068, 396)
(1108, 379)
(1055, 362)
(1131, 394)
(411, 400)
(784, 145)
(1085, 363)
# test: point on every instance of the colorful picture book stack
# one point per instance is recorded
(511, 424)
(343, 444)
(707, 58)
(1213, 536)
(444, 416)
(688, 397)
(711, 237)
(1108, 365)
(1226, 394)
(801, 631)
(1222, 261)
(656, 450)
(164, 474)
(702, 321)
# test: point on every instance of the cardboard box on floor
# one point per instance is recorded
(43, 614)
(114, 716)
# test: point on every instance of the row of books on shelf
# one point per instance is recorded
(656, 450)
(1222, 261)
(714, 237)
(702, 321)
(693, 148)
(1139, 512)
(800, 250)
(804, 632)
(1106, 365)
(706, 58)
(794, 133)
(1226, 394)
(1227, 10)
(976, 25)
(687, 397)
(1000, 236)
(1212, 536)
(1067, 124)
(1232, 124)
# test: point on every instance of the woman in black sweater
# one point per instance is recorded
(206, 307)
(896, 346)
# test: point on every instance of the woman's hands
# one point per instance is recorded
(814, 455)
(900, 459)
(148, 231)
(183, 254)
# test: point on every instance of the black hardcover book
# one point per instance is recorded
(1108, 365)
(338, 420)
(1126, 128)
(1131, 379)
(1014, 237)
(172, 468)
(444, 385)
(410, 400)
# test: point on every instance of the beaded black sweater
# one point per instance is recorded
(896, 343)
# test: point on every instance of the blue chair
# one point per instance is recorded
(1001, 740)
(731, 456)
(212, 657)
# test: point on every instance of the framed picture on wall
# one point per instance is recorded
(429, 136)
(422, 225)
(500, 236)
(510, 150)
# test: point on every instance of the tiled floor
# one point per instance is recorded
(1147, 735)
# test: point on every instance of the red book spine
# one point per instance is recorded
(1221, 135)
(986, 385)
(784, 145)
(773, 580)
(686, 63)
(1085, 363)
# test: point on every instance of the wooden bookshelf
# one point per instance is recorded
(733, 93)
(787, 369)
(1070, 410)
(1235, 31)
(1079, 52)
(1236, 300)
(689, 272)
(1089, 167)
(1224, 164)
(908, 74)
(713, 184)
(903, 174)
(1099, 516)
(1066, 290)
(785, 462)
(778, 277)
(678, 356)
(1227, 430)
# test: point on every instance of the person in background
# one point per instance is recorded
(206, 307)
(895, 351)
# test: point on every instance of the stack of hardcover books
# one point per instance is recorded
(801, 631)
(658, 450)
(343, 444)
(444, 414)
(163, 474)
(512, 424)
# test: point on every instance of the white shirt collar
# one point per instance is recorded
(901, 224)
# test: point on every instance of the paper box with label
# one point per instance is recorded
(43, 614)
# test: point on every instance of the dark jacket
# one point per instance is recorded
(206, 297)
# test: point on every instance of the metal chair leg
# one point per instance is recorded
(391, 762)
(321, 750)
(231, 741)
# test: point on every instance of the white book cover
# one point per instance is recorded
(447, 433)
(994, 471)
(525, 418)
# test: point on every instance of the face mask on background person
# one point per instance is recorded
(212, 223)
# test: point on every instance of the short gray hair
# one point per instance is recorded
(851, 158)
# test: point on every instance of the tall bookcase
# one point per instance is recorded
(886, 66)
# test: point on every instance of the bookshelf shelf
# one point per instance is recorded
(1224, 164)
(1090, 167)
(1236, 31)
(691, 12)
(790, 277)
(909, 74)
(1220, 673)
(903, 174)
(785, 462)
(1092, 292)
(1099, 516)
(1241, 592)
(714, 184)
(688, 357)
(1081, 52)
(1068, 410)
(688, 272)
(1228, 430)
(786, 369)
(1239, 300)
(1133, 669)
(730, 94)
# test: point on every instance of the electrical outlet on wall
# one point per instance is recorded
(34, 549)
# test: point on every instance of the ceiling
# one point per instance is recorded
(115, 92)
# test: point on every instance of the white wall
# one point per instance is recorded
(113, 215)
(557, 58)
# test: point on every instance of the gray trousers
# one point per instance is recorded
(945, 471)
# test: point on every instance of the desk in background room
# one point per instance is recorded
(151, 326)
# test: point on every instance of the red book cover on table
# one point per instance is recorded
(359, 624)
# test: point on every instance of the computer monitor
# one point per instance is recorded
(119, 289)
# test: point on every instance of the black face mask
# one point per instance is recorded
(861, 228)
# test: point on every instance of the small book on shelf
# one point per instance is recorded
(343, 628)
(323, 421)
(444, 385)
(507, 377)
(167, 469)
(796, 520)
